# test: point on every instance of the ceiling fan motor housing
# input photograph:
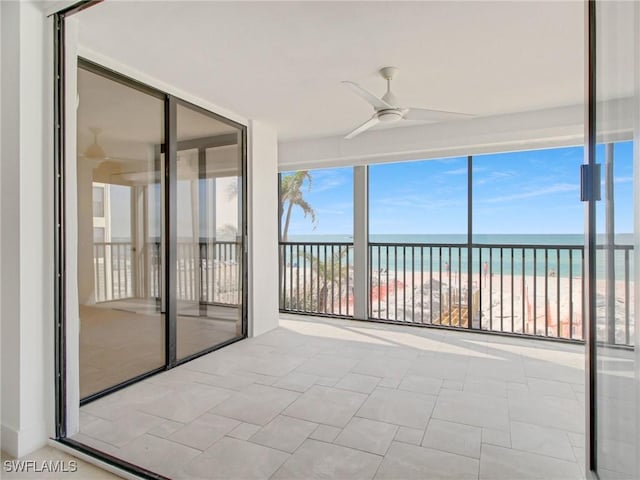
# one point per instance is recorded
(388, 116)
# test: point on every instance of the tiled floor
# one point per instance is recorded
(322, 398)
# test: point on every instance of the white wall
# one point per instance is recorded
(27, 238)
(263, 228)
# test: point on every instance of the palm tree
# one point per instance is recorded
(332, 272)
(291, 195)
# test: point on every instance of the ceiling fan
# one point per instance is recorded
(388, 110)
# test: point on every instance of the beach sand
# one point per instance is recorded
(548, 306)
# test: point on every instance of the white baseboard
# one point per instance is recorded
(19, 443)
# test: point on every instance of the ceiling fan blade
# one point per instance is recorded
(427, 115)
(365, 126)
(369, 97)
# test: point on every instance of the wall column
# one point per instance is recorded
(361, 241)
(262, 204)
(26, 247)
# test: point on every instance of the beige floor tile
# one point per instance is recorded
(325, 433)
(390, 382)
(186, 403)
(327, 405)
(231, 458)
(121, 431)
(553, 388)
(358, 383)
(553, 412)
(382, 366)
(472, 409)
(284, 433)
(244, 431)
(420, 384)
(453, 438)
(367, 435)
(319, 460)
(273, 364)
(404, 461)
(441, 365)
(165, 429)
(499, 463)
(541, 440)
(204, 431)
(409, 435)
(296, 381)
(158, 455)
(499, 369)
(407, 409)
(453, 384)
(327, 366)
(576, 439)
(486, 386)
(257, 404)
(500, 438)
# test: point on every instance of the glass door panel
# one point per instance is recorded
(616, 408)
(209, 256)
(119, 215)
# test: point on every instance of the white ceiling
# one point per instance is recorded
(282, 63)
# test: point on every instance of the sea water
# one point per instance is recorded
(401, 252)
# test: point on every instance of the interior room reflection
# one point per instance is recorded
(121, 209)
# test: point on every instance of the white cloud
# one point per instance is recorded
(628, 179)
(555, 188)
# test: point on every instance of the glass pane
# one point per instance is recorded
(419, 202)
(98, 201)
(316, 250)
(418, 235)
(120, 132)
(209, 232)
(529, 230)
(617, 240)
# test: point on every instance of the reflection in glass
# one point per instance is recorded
(120, 131)
(208, 258)
(617, 366)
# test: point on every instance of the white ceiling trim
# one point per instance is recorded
(549, 128)
(128, 71)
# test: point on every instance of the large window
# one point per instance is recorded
(417, 226)
(316, 248)
(317, 205)
(499, 247)
(528, 197)
(418, 202)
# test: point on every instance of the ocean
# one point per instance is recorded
(559, 261)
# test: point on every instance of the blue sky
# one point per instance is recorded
(514, 193)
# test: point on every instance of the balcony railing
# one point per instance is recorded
(317, 278)
(533, 290)
(207, 272)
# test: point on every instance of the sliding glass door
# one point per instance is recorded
(119, 218)
(160, 215)
(614, 229)
(208, 259)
